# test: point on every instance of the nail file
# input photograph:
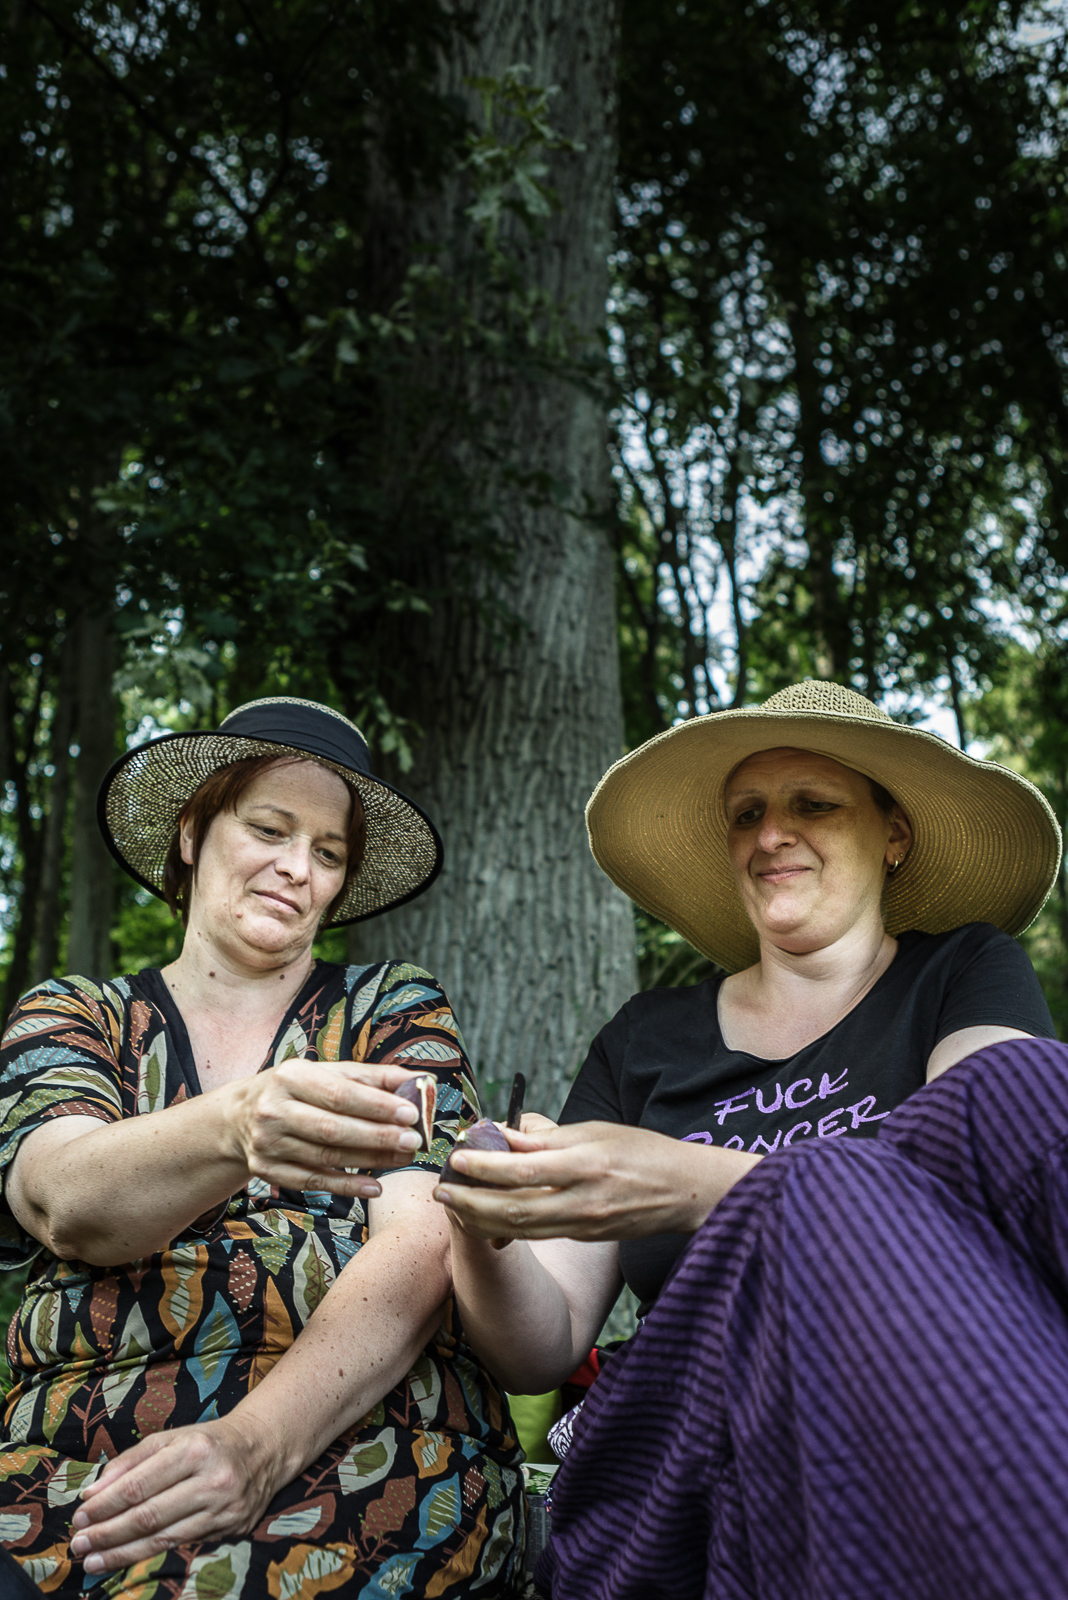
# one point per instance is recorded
(515, 1103)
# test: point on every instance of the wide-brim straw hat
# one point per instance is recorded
(986, 845)
(144, 794)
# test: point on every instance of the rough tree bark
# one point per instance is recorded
(534, 945)
(92, 870)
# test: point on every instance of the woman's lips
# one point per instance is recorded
(276, 900)
(782, 874)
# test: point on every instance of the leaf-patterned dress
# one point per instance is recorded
(423, 1497)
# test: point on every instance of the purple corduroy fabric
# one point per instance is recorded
(855, 1384)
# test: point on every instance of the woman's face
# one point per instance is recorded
(809, 847)
(268, 871)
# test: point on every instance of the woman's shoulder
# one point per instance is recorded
(662, 1005)
(73, 995)
(969, 939)
(381, 986)
(357, 975)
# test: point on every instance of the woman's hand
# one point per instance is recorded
(533, 1124)
(110, 1192)
(185, 1484)
(591, 1180)
(303, 1125)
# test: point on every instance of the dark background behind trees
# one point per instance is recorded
(299, 324)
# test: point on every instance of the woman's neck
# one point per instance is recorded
(790, 999)
(206, 981)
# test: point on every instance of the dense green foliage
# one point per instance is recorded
(841, 305)
(258, 254)
(838, 329)
(236, 420)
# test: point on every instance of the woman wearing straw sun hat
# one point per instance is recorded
(201, 1395)
(850, 1256)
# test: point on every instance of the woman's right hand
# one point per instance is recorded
(304, 1124)
(534, 1125)
(592, 1181)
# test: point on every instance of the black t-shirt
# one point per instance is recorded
(661, 1062)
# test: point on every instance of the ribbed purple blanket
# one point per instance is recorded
(855, 1385)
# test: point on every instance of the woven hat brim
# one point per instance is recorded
(986, 847)
(146, 791)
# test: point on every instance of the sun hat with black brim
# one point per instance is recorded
(986, 844)
(144, 794)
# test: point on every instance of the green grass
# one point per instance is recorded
(11, 1285)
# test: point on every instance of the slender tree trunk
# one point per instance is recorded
(534, 945)
(49, 907)
(92, 869)
(821, 520)
(958, 703)
(20, 755)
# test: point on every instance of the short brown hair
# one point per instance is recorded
(221, 792)
(882, 797)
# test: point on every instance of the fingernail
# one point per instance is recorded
(370, 1191)
(94, 1563)
(79, 1545)
(458, 1162)
(443, 1197)
(405, 1113)
(409, 1141)
(80, 1519)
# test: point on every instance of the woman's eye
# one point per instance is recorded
(817, 805)
(744, 818)
(268, 833)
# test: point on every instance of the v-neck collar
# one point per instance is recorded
(157, 992)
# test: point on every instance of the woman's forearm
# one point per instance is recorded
(109, 1193)
(358, 1345)
(106, 1193)
(532, 1312)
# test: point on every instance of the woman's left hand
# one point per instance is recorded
(591, 1180)
(175, 1487)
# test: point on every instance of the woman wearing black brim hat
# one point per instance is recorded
(194, 1155)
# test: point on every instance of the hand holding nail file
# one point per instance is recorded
(485, 1135)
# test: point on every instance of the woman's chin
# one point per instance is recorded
(263, 935)
(795, 935)
(782, 920)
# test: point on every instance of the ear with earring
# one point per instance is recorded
(893, 866)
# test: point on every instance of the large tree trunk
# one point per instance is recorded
(92, 872)
(534, 945)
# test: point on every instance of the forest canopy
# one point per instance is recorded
(238, 424)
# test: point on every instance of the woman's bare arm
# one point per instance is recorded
(965, 1042)
(531, 1312)
(109, 1192)
(217, 1478)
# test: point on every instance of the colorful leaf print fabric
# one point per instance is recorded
(424, 1497)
